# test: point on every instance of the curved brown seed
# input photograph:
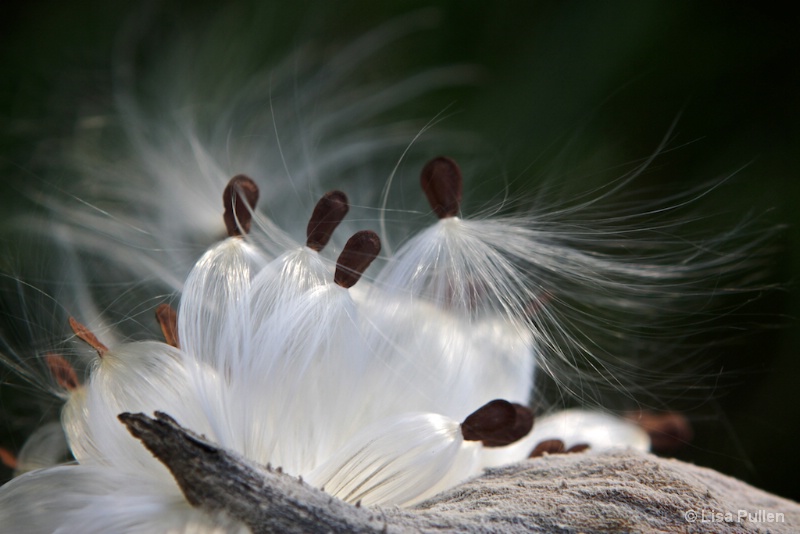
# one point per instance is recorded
(669, 431)
(239, 199)
(442, 183)
(168, 320)
(63, 373)
(358, 253)
(548, 446)
(328, 213)
(498, 423)
(88, 337)
(578, 447)
(8, 458)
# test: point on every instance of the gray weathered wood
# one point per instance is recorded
(620, 491)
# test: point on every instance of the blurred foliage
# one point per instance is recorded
(571, 91)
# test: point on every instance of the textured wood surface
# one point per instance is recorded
(620, 491)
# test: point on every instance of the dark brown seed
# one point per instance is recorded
(524, 421)
(63, 373)
(442, 183)
(239, 198)
(358, 253)
(8, 458)
(579, 447)
(497, 423)
(82, 332)
(168, 319)
(328, 213)
(669, 431)
(548, 446)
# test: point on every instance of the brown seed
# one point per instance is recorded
(8, 458)
(168, 320)
(82, 332)
(578, 447)
(239, 198)
(497, 423)
(669, 431)
(328, 213)
(357, 255)
(442, 183)
(63, 373)
(524, 422)
(548, 446)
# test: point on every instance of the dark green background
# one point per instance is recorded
(605, 79)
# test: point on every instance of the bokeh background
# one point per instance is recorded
(563, 89)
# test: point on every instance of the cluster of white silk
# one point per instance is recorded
(360, 390)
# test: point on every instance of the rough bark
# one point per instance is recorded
(619, 491)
